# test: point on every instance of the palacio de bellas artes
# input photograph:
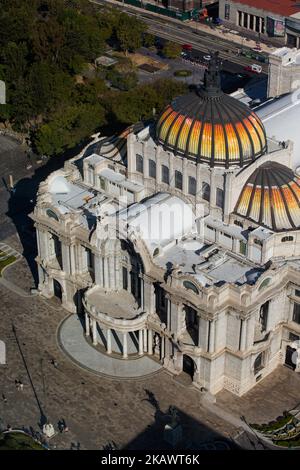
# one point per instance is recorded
(176, 244)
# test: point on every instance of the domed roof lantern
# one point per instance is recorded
(211, 127)
(212, 76)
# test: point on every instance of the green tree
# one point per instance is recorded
(67, 128)
(15, 60)
(123, 81)
(148, 40)
(129, 31)
(171, 50)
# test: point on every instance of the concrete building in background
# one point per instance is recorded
(180, 239)
(278, 21)
(284, 71)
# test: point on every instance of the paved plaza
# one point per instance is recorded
(97, 410)
(100, 410)
(81, 352)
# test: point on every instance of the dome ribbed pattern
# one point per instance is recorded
(271, 197)
(218, 130)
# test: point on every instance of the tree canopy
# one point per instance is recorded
(45, 48)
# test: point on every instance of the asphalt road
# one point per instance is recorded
(200, 41)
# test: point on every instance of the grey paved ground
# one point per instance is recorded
(278, 392)
(99, 410)
(73, 342)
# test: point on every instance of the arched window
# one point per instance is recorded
(192, 186)
(287, 239)
(178, 179)
(265, 283)
(205, 191)
(50, 213)
(155, 252)
(152, 169)
(220, 198)
(189, 285)
(259, 363)
(165, 174)
(139, 163)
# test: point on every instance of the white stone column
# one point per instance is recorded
(145, 340)
(141, 343)
(150, 342)
(260, 24)
(212, 337)
(185, 184)
(243, 335)
(65, 258)
(108, 340)
(125, 351)
(162, 348)
(106, 273)
(199, 332)
(255, 19)
(87, 325)
(94, 332)
(169, 325)
(72, 259)
(242, 19)
(112, 272)
(248, 20)
(142, 293)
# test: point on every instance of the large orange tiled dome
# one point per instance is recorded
(271, 197)
(211, 127)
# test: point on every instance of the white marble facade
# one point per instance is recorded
(220, 301)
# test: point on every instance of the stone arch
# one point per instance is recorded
(188, 365)
(58, 290)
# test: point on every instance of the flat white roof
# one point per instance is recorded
(281, 117)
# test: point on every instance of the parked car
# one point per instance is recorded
(187, 47)
(254, 68)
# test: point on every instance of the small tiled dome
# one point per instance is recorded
(271, 197)
(211, 127)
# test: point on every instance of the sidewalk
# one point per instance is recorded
(234, 36)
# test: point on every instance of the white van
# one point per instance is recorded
(255, 68)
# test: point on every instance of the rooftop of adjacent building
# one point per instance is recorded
(279, 7)
(208, 264)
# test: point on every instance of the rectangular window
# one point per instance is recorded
(251, 22)
(240, 18)
(152, 169)
(220, 198)
(245, 20)
(139, 164)
(205, 191)
(125, 279)
(243, 248)
(90, 259)
(296, 313)
(165, 174)
(297, 293)
(227, 11)
(192, 186)
(178, 179)
(263, 316)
